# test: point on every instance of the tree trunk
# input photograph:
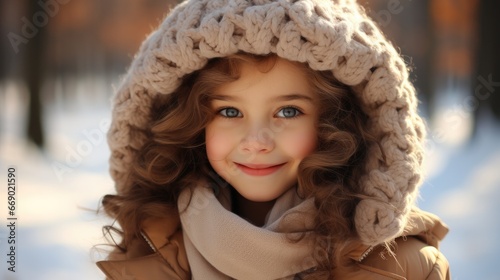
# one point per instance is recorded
(33, 75)
(486, 82)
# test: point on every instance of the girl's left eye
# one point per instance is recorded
(288, 112)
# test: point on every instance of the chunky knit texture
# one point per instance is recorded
(327, 35)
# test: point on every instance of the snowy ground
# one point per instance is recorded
(55, 232)
(58, 190)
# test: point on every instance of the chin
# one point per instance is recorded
(261, 197)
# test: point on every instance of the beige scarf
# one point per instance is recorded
(222, 245)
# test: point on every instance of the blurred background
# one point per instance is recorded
(59, 61)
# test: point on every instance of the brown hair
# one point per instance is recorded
(174, 156)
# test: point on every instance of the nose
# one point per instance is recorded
(258, 141)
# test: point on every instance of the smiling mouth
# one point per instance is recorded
(259, 169)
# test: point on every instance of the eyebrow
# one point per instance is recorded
(224, 97)
(295, 96)
(288, 97)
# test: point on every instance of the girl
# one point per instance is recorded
(269, 140)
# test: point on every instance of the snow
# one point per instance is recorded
(59, 189)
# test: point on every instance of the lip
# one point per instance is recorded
(259, 169)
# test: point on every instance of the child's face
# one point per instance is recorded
(265, 124)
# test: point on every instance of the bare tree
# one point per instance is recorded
(32, 72)
(486, 80)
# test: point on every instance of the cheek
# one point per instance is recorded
(217, 143)
(302, 143)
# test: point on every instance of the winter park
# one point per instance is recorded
(61, 62)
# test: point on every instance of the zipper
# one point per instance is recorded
(148, 241)
(366, 253)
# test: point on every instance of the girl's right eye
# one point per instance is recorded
(230, 113)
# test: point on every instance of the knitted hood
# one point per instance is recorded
(331, 35)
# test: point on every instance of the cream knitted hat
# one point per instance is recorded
(331, 35)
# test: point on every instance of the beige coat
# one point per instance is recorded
(416, 254)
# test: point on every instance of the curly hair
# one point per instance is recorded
(174, 156)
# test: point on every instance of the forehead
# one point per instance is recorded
(271, 76)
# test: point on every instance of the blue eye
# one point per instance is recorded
(230, 113)
(288, 112)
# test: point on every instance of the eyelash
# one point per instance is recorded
(299, 112)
